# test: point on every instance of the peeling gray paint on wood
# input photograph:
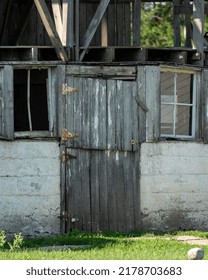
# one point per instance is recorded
(103, 190)
(104, 113)
(6, 101)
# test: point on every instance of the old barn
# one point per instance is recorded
(97, 132)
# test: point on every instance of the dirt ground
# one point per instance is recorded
(193, 240)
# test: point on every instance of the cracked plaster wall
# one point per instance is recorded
(174, 191)
(30, 187)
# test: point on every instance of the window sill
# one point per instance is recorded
(33, 134)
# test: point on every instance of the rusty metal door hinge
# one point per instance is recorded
(66, 89)
(67, 135)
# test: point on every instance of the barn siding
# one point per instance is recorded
(30, 187)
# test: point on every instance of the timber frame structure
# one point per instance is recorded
(97, 132)
(96, 31)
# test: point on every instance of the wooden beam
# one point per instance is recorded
(176, 25)
(90, 32)
(50, 28)
(136, 22)
(188, 32)
(57, 14)
(77, 30)
(68, 23)
(104, 32)
(198, 29)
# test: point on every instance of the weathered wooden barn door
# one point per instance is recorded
(102, 162)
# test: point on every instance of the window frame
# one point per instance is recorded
(51, 104)
(195, 104)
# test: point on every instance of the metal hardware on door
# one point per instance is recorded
(66, 89)
(66, 156)
(133, 142)
(64, 216)
(67, 135)
(74, 220)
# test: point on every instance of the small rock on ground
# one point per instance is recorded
(196, 254)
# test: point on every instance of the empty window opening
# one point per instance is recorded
(177, 105)
(30, 100)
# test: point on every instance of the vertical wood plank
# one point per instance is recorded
(104, 31)
(85, 202)
(103, 190)
(8, 100)
(205, 105)
(120, 174)
(131, 180)
(73, 190)
(1, 104)
(95, 136)
(77, 29)
(127, 116)
(64, 195)
(141, 94)
(136, 190)
(119, 115)
(82, 20)
(112, 191)
(57, 80)
(86, 112)
(77, 112)
(112, 24)
(95, 191)
(135, 118)
(127, 24)
(153, 102)
(120, 24)
(111, 89)
(199, 106)
(102, 114)
(70, 104)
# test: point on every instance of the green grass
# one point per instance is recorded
(111, 246)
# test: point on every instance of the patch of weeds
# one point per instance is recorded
(13, 244)
(17, 242)
(2, 239)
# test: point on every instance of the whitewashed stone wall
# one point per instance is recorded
(30, 187)
(174, 186)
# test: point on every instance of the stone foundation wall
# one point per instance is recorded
(174, 186)
(30, 187)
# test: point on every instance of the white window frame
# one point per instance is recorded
(175, 104)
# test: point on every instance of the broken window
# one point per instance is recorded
(178, 105)
(30, 100)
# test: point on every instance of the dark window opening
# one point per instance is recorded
(30, 100)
